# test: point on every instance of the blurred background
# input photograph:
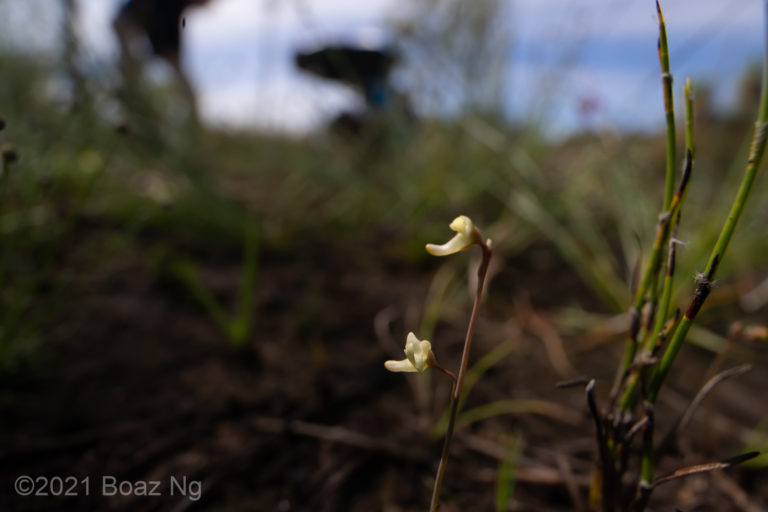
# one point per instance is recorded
(584, 65)
(212, 227)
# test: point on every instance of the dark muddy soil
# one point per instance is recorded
(136, 385)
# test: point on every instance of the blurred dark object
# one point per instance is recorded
(8, 153)
(158, 23)
(348, 124)
(2, 124)
(368, 71)
(122, 128)
(363, 68)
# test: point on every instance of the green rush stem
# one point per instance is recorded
(689, 145)
(669, 110)
(756, 153)
(646, 464)
(662, 233)
(662, 311)
(652, 270)
(630, 349)
(661, 314)
(645, 486)
(649, 282)
(456, 392)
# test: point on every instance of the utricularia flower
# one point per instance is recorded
(418, 355)
(466, 235)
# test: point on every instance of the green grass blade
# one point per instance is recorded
(507, 474)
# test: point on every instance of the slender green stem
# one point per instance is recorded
(756, 153)
(669, 110)
(646, 465)
(689, 145)
(653, 269)
(482, 271)
(648, 283)
(645, 486)
(666, 298)
(651, 274)
(662, 313)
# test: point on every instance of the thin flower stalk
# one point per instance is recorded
(482, 272)
(418, 353)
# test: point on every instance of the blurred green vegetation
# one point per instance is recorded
(85, 188)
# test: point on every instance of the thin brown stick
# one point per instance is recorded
(704, 468)
(671, 437)
(566, 471)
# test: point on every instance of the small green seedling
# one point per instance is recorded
(237, 327)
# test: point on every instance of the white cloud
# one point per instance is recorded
(295, 21)
(95, 25)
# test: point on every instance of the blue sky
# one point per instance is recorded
(558, 53)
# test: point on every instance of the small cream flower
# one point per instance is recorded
(418, 355)
(465, 236)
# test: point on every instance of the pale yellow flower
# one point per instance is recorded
(418, 355)
(465, 236)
